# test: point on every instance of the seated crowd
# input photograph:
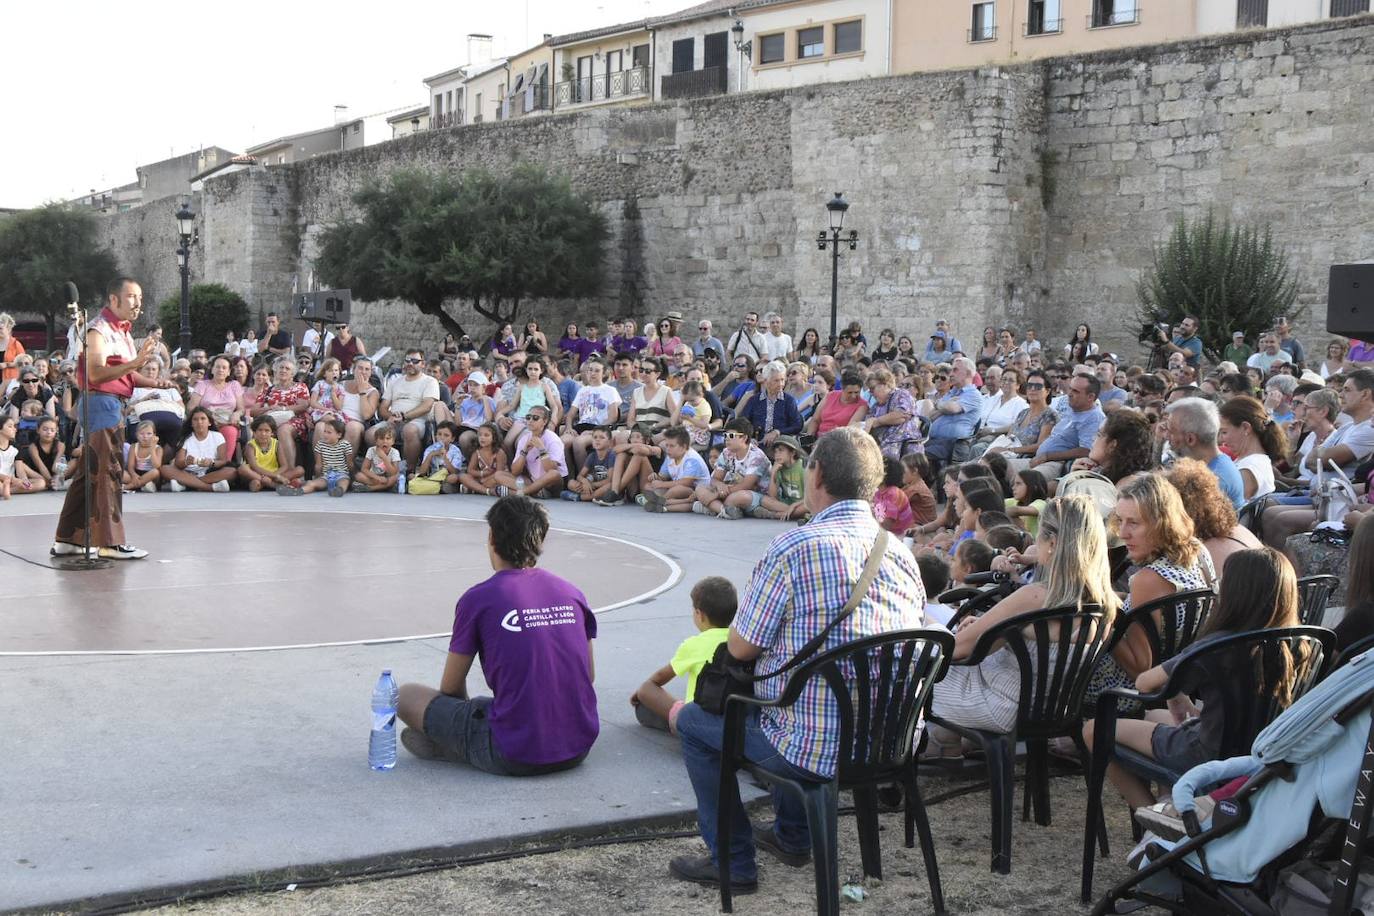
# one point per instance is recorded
(1082, 481)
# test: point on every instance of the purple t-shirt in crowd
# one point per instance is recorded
(530, 629)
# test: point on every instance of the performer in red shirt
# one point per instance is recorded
(114, 363)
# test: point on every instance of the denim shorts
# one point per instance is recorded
(463, 727)
(755, 500)
(333, 477)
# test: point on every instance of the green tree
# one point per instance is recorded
(215, 310)
(1233, 278)
(43, 248)
(488, 241)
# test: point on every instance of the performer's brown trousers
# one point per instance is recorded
(107, 510)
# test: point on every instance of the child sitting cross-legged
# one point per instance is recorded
(15, 475)
(594, 480)
(540, 464)
(486, 462)
(713, 610)
(333, 455)
(630, 455)
(440, 465)
(143, 460)
(202, 462)
(786, 496)
(740, 475)
(46, 454)
(673, 487)
(261, 468)
(381, 464)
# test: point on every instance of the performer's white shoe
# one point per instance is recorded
(63, 549)
(123, 552)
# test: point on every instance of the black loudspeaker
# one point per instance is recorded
(1350, 303)
(328, 305)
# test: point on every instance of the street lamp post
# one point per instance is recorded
(186, 227)
(836, 207)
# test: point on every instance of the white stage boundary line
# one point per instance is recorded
(674, 576)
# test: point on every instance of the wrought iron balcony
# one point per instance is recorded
(1104, 17)
(693, 84)
(985, 33)
(1044, 27)
(622, 84)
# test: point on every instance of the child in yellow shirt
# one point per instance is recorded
(713, 610)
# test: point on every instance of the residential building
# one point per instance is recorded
(172, 177)
(226, 167)
(696, 53)
(1225, 15)
(405, 123)
(820, 41)
(299, 147)
(446, 98)
(606, 66)
(111, 200)
(529, 81)
(939, 34)
(484, 91)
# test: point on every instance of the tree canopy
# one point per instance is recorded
(43, 248)
(214, 310)
(488, 241)
(1233, 278)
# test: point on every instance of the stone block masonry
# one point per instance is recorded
(1029, 194)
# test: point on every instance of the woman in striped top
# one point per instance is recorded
(653, 407)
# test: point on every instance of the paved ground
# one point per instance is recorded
(135, 774)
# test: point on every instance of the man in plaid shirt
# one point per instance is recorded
(798, 587)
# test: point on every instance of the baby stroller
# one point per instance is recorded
(1310, 769)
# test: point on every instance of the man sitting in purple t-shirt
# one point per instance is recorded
(532, 631)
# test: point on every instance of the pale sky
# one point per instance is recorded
(93, 89)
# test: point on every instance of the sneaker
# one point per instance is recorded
(767, 838)
(463, 489)
(655, 507)
(502, 490)
(220, 486)
(654, 497)
(336, 491)
(701, 870)
(569, 495)
(641, 500)
(123, 552)
(361, 487)
(612, 498)
(732, 512)
(424, 747)
(1163, 819)
(150, 487)
(699, 508)
(63, 549)
(176, 486)
(287, 490)
(761, 512)
(448, 488)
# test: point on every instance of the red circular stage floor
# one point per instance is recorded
(240, 580)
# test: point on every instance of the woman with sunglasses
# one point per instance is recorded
(1034, 424)
(665, 343)
(653, 406)
(801, 389)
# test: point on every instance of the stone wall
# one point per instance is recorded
(1030, 194)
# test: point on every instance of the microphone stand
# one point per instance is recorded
(85, 561)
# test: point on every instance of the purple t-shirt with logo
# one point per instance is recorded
(530, 629)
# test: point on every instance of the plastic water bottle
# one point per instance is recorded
(381, 746)
(401, 479)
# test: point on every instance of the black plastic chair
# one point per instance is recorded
(1049, 706)
(1167, 633)
(1314, 593)
(879, 684)
(1212, 660)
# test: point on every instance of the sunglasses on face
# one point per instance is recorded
(734, 435)
(741, 365)
(413, 362)
(648, 368)
(1035, 386)
(942, 378)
